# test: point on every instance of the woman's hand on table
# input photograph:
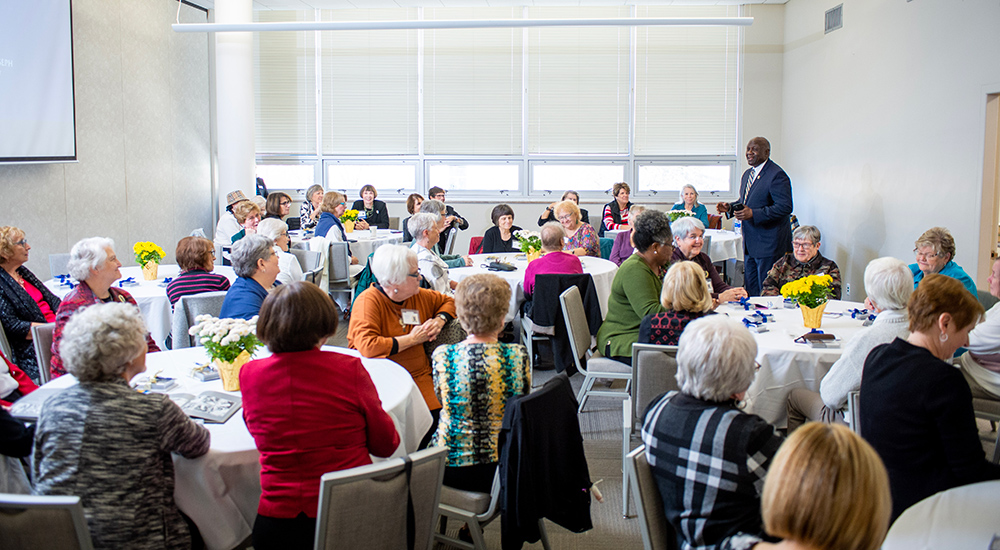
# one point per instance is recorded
(468, 261)
(361, 225)
(732, 294)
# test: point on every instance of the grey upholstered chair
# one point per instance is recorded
(185, 311)
(594, 366)
(41, 335)
(30, 522)
(657, 533)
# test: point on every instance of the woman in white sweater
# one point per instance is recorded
(981, 364)
(888, 283)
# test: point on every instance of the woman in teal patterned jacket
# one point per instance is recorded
(474, 379)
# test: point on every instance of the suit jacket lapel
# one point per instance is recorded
(759, 178)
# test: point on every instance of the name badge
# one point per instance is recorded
(411, 317)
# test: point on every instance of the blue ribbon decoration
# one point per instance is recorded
(861, 314)
(745, 302)
(760, 317)
(130, 280)
(167, 279)
(815, 331)
(66, 281)
(749, 323)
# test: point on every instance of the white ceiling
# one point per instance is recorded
(350, 4)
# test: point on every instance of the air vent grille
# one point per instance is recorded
(834, 19)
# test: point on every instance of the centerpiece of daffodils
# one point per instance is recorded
(148, 254)
(229, 343)
(675, 215)
(348, 218)
(811, 292)
(530, 242)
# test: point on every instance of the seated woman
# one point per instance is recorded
(329, 226)
(426, 232)
(195, 257)
(804, 259)
(278, 205)
(248, 216)
(24, 300)
(635, 290)
(228, 226)
(413, 203)
(439, 209)
(888, 284)
(581, 239)
(473, 380)
(615, 214)
(689, 238)
(309, 211)
(110, 445)
(289, 400)
(288, 265)
(376, 212)
(383, 323)
(916, 408)
(685, 297)
(689, 202)
(256, 266)
(549, 214)
(553, 259)
(94, 264)
(853, 509)
(981, 364)
(935, 251)
(623, 247)
(715, 366)
(500, 238)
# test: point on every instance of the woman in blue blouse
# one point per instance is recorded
(256, 265)
(689, 202)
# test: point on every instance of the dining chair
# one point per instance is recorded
(654, 373)
(186, 310)
(854, 411)
(989, 409)
(5, 345)
(310, 261)
(58, 264)
(587, 360)
(41, 335)
(370, 506)
(339, 271)
(657, 533)
(29, 522)
(472, 508)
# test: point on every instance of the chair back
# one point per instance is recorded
(58, 265)
(352, 501)
(854, 410)
(449, 245)
(657, 533)
(187, 309)
(5, 345)
(41, 335)
(714, 222)
(394, 222)
(607, 245)
(654, 372)
(340, 261)
(310, 261)
(31, 522)
(986, 299)
(576, 325)
(706, 245)
(475, 245)
(989, 409)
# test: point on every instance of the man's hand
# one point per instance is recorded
(744, 213)
(722, 207)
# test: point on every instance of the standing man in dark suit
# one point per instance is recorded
(452, 221)
(764, 209)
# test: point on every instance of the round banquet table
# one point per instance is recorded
(966, 517)
(602, 271)
(724, 245)
(786, 365)
(220, 490)
(151, 296)
(362, 242)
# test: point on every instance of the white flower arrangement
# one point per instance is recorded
(225, 339)
(530, 241)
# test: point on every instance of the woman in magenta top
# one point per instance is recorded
(553, 259)
(309, 411)
(24, 300)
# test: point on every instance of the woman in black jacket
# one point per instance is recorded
(376, 213)
(500, 238)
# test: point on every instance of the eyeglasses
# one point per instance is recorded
(693, 237)
(414, 275)
(802, 244)
(565, 217)
(925, 255)
(22, 242)
(285, 203)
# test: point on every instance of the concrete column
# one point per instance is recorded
(234, 101)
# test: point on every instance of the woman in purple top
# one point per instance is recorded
(195, 256)
(553, 259)
(623, 248)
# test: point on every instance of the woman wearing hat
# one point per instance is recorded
(228, 226)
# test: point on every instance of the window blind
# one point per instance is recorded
(284, 76)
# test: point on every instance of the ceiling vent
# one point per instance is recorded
(834, 19)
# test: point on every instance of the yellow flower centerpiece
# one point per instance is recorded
(811, 292)
(229, 342)
(148, 254)
(348, 218)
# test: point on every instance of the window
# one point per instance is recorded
(474, 177)
(558, 177)
(388, 177)
(287, 176)
(706, 178)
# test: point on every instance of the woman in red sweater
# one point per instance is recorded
(310, 412)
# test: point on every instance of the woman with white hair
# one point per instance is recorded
(102, 441)
(888, 283)
(256, 267)
(804, 259)
(288, 265)
(426, 231)
(689, 239)
(94, 264)
(689, 202)
(394, 317)
(439, 209)
(709, 458)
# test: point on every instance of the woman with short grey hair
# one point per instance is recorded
(889, 284)
(804, 259)
(689, 241)
(256, 266)
(426, 231)
(124, 437)
(93, 262)
(436, 207)
(288, 265)
(309, 212)
(715, 366)
(935, 252)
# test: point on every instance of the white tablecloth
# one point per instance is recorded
(962, 518)
(362, 242)
(603, 272)
(220, 490)
(725, 245)
(150, 295)
(785, 365)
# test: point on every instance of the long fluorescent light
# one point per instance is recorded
(459, 24)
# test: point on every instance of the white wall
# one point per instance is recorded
(142, 118)
(883, 124)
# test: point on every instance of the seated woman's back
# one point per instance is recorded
(685, 296)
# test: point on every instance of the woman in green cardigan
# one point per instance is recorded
(635, 292)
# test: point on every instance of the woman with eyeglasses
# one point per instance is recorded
(196, 257)
(549, 214)
(804, 259)
(278, 205)
(256, 265)
(689, 238)
(935, 251)
(332, 208)
(581, 238)
(277, 231)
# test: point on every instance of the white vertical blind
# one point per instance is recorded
(578, 84)
(472, 85)
(284, 87)
(686, 84)
(369, 85)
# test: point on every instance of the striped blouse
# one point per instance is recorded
(195, 281)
